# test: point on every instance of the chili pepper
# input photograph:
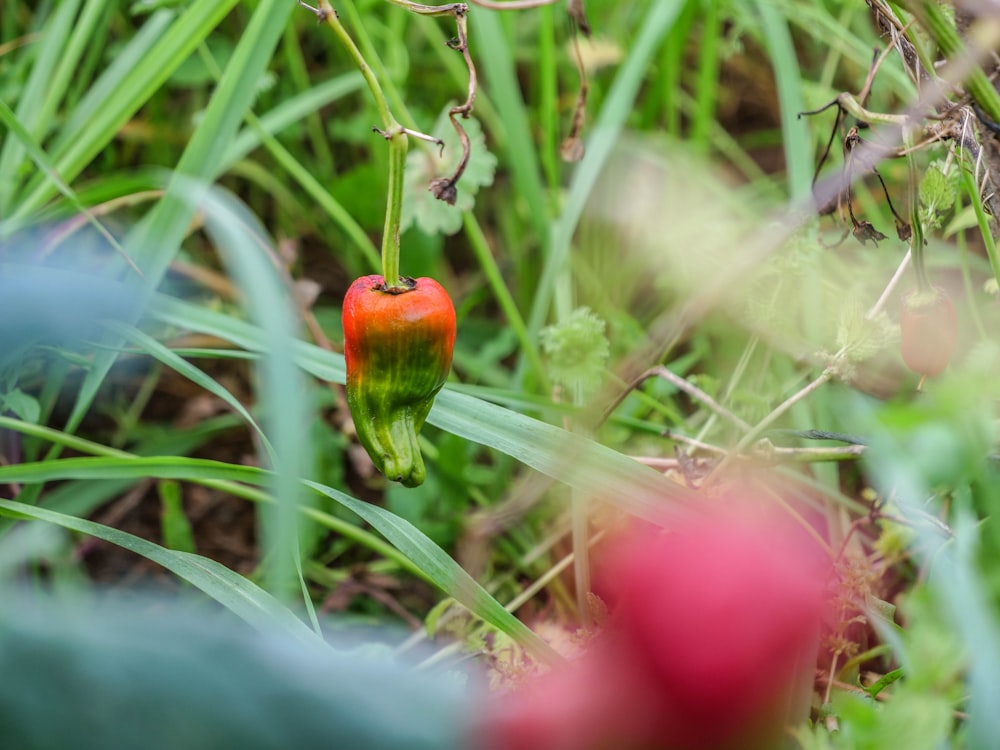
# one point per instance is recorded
(398, 346)
(928, 325)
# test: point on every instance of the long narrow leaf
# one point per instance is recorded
(284, 396)
(158, 237)
(230, 589)
(33, 96)
(102, 467)
(440, 569)
(433, 562)
(291, 112)
(798, 149)
(80, 497)
(182, 367)
(76, 148)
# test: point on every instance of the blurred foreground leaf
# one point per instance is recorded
(113, 675)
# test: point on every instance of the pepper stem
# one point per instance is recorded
(396, 135)
(394, 210)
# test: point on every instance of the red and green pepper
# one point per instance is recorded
(398, 345)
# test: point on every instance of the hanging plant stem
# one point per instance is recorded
(395, 134)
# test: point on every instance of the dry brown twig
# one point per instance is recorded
(572, 148)
(445, 188)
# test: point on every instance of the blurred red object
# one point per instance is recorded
(711, 645)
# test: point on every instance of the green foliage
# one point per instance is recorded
(860, 338)
(577, 350)
(938, 191)
(921, 711)
(174, 522)
(22, 405)
(141, 409)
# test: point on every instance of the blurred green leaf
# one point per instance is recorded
(174, 524)
(430, 560)
(577, 350)
(194, 71)
(23, 405)
(165, 674)
(441, 570)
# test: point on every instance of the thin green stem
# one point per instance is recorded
(963, 264)
(580, 532)
(300, 79)
(312, 186)
(323, 197)
(984, 223)
(397, 138)
(329, 15)
(394, 210)
(671, 67)
(707, 85)
(392, 131)
(480, 246)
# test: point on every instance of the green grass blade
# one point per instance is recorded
(283, 396)
(707, 86)
(578, 462)
(291, 112)
(323, 198)
(181, 366)
(77, 147)
(70, 55)
(427, 556)
(131, 467)
(233, 591)
(118, 77)
(81, 498)
(441, 570)
(499, 71)
(795, 136)
(157, 238)
(33, 96)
